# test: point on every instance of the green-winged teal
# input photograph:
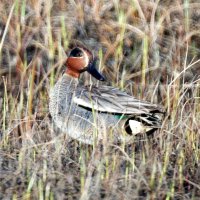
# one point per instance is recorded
(93, 113)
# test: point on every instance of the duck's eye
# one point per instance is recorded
(79, 54)
(76, 53)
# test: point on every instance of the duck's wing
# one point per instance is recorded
(112, 100)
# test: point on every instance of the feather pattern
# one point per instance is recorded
(98, 113)
(112, 100)
(118, 115)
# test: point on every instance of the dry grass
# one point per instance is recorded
(149, 48)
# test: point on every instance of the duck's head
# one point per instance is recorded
(81, 60)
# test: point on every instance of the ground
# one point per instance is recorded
(148, 48)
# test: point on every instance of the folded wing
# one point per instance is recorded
(113, 100)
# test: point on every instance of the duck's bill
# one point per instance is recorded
(94, 72)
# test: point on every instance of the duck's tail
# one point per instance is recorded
(144, 123)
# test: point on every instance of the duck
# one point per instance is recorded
(98, 113)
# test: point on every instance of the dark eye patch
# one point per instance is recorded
(76, 53)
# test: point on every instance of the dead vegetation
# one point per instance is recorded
(149, 48)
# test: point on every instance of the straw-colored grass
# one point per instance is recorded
(148, 48)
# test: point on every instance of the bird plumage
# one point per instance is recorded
(89, 113)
